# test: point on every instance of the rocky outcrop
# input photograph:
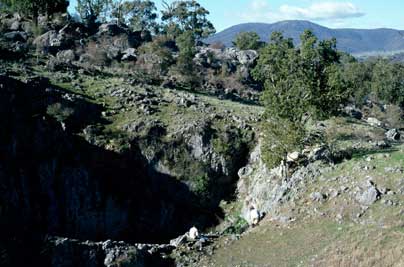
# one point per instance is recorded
(267, 190)
(117, 41)
(53, 41)
(62, 252)
(215, 58)
(393, 135)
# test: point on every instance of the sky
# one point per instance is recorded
(363, 14)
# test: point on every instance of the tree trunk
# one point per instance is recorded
(35, 13)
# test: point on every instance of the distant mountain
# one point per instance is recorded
(355, 41)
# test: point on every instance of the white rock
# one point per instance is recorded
(374, 122)
(294, 156)
(193, 233)
(254, 217)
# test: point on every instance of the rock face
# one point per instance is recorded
(267, 189)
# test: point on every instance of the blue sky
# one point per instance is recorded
(331, 13)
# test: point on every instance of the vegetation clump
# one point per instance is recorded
(300, 83)
(59, 112)
(248, 40)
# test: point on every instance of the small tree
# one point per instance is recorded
(186, 45)
(186, 16)
(59, 112)
(247, 40)
(158, 56)
(299, 84)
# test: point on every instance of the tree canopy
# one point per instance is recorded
(299, 83)
(139, 15)
(186, 16)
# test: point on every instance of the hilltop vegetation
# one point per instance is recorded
(357, 41)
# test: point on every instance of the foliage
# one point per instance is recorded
(247, 40)
(358, 75)
(281, 136)
(186, 16)
(35, 7)
(201, 185)
(139, 15)
(238, 227)
(388, 82)
(299, 84)
(377, 79)
(157, 55)
(187, 51)
(91, 10)
(59, 112)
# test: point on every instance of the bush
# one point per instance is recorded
(156, 57)
(247, 41)
(238, 227)
(59, 112)
(186, 45)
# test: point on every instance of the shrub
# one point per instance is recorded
(186, 45)
(59, 112)
(156, 57)
(247, 40)
(239, 226)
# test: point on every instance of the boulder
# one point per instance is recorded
(353, 112)
(16, 36)
(66, 56)
(393, 135)
(374, 122)
(293, 157)
(51, 39)
(15, 26)
(254, 216)
(320, 153)
(73, 29)
(111, 29)
(62, 60)
(230, 56)
(193, 233)
(368, 194)
(129, 54)
(247, 57)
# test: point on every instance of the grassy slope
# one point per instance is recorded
(338, 231)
